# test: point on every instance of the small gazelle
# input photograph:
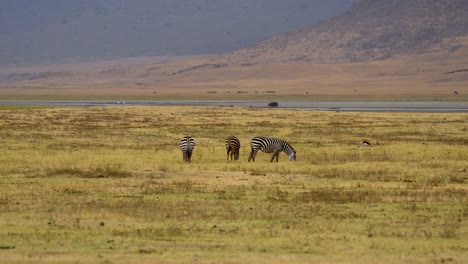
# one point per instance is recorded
(364, 143)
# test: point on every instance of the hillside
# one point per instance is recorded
(371, 30)
(416, 47)
(58, 31)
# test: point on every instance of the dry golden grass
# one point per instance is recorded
(108, 185)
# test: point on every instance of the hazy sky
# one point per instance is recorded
(54, 30)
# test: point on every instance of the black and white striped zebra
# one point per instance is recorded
(187, 144)
(271, 145)
(232, 147)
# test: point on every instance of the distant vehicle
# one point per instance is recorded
(273, 104)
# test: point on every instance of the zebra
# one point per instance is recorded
(271, 145)
(187, 144)
(364, 143)
(232, 147)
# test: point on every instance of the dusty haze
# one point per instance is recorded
(52, 31)
(376, 47)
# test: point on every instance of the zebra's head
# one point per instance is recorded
(292, 156)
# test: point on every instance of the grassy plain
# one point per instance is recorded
(108, 185)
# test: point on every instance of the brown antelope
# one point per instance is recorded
(364, 143)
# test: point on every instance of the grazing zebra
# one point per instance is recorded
(364, 143)
(271, 145)
(187, 144)
(232, 147)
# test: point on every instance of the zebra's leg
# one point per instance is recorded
(252, 155)
(236, 155)
(255, 154)
(189, 156)
(232, 153)
(275, 154)
(227, 154)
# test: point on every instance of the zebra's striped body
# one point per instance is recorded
(271, 145)
(232, 147)
(187, 144)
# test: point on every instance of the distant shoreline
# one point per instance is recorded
(355, 106)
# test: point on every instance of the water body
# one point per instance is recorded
(357, 106)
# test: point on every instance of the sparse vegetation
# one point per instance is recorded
(108, 185)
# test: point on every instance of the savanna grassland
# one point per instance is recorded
(108, 185)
